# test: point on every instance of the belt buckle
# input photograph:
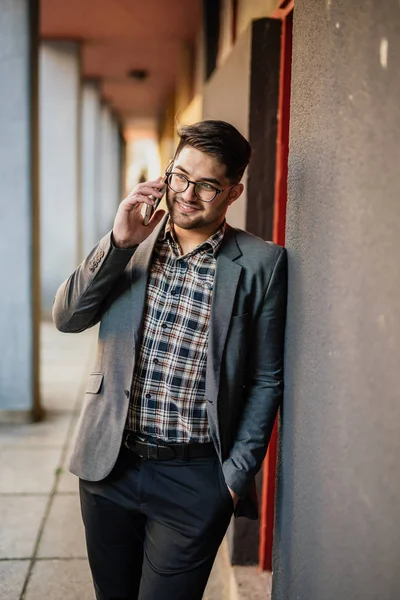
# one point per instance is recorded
(126, 441)
(151, 450)
(160, 450)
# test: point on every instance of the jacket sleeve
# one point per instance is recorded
(264, 384)
(79, 300)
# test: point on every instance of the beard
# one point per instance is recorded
(197, 220)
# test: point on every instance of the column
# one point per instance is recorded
(109, 177)
(60, 113)
(90, 163)
(19, 297)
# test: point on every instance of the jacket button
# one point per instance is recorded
(126, 393)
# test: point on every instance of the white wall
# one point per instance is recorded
(108, 181)
(59, 164)
(90, 164)
(17, 225)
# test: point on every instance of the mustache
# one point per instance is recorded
(176, 197)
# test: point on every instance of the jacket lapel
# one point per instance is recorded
(225, 286)
(140, 269)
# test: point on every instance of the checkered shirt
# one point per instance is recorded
(168, 390)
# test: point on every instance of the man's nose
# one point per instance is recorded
(188, 195)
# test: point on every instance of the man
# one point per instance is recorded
(187, 381)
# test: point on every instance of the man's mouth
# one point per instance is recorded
(186, 208)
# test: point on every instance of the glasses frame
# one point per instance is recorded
(194, 183)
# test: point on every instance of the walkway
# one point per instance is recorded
(42, 550)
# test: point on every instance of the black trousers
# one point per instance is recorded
(153, 527)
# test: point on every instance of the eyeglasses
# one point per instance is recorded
(204, 191)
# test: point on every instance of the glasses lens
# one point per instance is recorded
(205, 191)
(177, 183)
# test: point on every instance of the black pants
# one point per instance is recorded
(153, 527)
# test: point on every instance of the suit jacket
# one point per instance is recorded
(244, 375)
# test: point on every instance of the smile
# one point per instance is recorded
(186, 208)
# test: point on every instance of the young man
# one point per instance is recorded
(187, 381)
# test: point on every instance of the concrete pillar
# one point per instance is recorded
(338, 509)
(19, 297)
(109, 176)
(60, 113)
(90, 164)
(122, 167)
(118, 157)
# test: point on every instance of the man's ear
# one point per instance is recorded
(235, 193)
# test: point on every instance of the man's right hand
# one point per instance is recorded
(128, 229)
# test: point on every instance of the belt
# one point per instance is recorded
(151, 450)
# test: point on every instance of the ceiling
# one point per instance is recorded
(120, 35)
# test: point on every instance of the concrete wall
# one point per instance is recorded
(60, 113)
(19, 399)
(90, 164)
(108, 190)
(227, 97)
(337, 533)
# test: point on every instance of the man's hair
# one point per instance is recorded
(221, 140)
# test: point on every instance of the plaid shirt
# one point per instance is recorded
(168, 391)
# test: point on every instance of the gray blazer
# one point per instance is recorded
(244, 376)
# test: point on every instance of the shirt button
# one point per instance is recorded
(148, 396)
(156, 361)
(126, 392)
(173, 292)
(184, 264)
(164, 326)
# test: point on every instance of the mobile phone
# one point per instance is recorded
(149, 210)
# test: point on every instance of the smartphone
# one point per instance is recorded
(149, 210)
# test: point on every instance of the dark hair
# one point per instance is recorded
(221, 140)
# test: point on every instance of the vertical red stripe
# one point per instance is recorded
(283, 133)
(282, 152)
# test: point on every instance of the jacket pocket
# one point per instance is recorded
(95, 381)
(239, 317)
(223, 487)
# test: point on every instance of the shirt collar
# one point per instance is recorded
(211, 245)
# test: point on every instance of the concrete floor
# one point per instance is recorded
(42, 549)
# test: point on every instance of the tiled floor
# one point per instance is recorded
(42, 550)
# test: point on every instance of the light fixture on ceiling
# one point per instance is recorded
(138, 74)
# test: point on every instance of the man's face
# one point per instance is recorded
(185, 209)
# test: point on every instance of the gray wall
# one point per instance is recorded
(338, 521)
(107, 183)
(60, 113)
(90, 164)
(19, 336)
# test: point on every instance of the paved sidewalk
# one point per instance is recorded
(42, 553)
(42, 549)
